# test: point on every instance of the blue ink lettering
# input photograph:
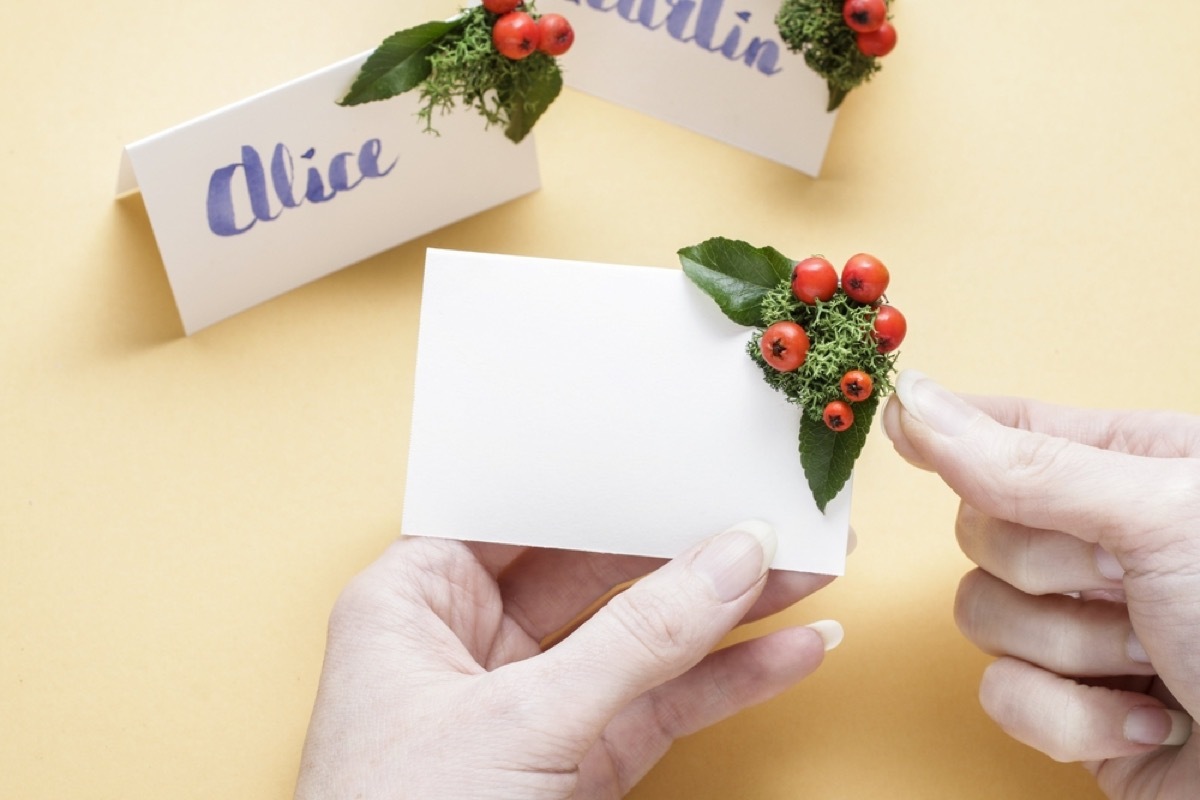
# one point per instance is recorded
(368, 160)
(339, 178)
(677, 20)
(685, 22)
(224, 184)
(282, 175)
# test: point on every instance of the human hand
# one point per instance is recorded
(435, 684)
(1084, 525)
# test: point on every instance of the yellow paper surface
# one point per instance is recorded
(177, 515)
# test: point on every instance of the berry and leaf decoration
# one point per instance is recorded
(841, 40)
(827, 342)
(498, 58)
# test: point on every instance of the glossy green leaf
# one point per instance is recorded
(525, 108)
(828, 457)
(736, 275)
(836, 96)
(400, 63)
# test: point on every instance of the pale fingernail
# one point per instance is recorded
(1159, 726)
(1135, 650)
(737, 558)
(1107, 565)
(941, 410)
(830, 631)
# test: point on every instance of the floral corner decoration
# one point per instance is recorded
(841, 40)
(498, 58)
(828, 345)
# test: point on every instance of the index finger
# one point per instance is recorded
(1035, 478)
(1162, 434)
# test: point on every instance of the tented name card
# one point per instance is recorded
(602, 408)
(717, 67)
(285, 187)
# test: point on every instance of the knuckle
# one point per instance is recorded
(670, 720)
(966, 528)
(655, 624)
(992, 693)
(1163, 540)
(1067, 738)
(1035, 456)
(354, 603)
(1026, 568)
(1034, 460)
(1183, 484)
(1049, 724)
(966, 605)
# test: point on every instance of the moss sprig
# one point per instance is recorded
(456, 61)
(820, 343)
(817, 30)
(840, 330)
(467, 68)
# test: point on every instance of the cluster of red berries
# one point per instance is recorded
(784, 345)
(868, 19)
(516, 34)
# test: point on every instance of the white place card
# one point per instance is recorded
(285, 187)
(715, 67)
(603, 408)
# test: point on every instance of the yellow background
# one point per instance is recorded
(178, 514)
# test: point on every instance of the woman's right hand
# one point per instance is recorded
(1086, 529)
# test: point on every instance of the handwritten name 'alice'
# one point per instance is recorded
(248, 178)
(676, 16)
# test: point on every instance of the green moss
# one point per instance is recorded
(816, 30)
(467, 69)
(840, 332)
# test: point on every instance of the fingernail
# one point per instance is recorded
(830, 631)
(1107, 565)
(1159, 726)
(941, 410)
(737, 558)
(1135, 650)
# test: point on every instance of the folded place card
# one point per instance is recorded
(717, 68)
(270, 193)
(602, 408)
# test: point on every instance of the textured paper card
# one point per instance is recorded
(287, 186)
(598, 407)
(715, 67)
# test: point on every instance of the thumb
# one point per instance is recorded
(1027, 477)
(655, 630)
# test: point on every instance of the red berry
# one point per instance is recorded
(784, 346)
(864, 278)
(890, 328)
(857, 385)
(864, 16)
(556, 33)
(515, 35)
(838, 416)
(877, 43)
(501, 6)
(814, 279)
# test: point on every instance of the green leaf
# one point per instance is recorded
(525, 107)
(736, 275)
(400, 62)
(828, 457)
(836, 96)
